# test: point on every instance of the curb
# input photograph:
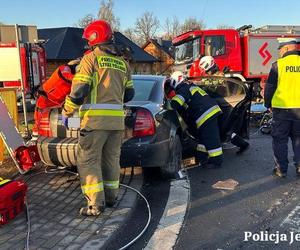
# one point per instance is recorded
(168, 229)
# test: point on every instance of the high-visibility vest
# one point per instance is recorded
(287, 94)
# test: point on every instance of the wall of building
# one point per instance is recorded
(142, 68)
(164, 66)
(52, 66)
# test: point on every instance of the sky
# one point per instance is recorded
(62, 13)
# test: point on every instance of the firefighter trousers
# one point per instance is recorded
(209, 147)
(282, 129)
(99, 165)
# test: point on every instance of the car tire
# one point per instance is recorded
(175, 160)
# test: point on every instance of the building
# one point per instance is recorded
(65, 44)
(160, 49)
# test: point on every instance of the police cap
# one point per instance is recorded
(287, 40)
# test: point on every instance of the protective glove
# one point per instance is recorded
(64, 121)
(171, 94)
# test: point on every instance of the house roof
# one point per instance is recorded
(164, 45)
(66, 43)
(138, 54)
(63, 43)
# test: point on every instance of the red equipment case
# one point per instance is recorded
(12, 195)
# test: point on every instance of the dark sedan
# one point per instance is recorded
(154, 135)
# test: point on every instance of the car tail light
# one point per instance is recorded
(144, 124)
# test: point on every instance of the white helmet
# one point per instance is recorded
(206, 63)
(177, 77)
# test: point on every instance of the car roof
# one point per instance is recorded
(149, 77)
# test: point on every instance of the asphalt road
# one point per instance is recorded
(156, 191)
(218, 219)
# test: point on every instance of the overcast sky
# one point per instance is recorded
(61, 13)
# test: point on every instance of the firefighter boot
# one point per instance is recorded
(297, 170)
(278, 172)
(91, 211)
(239, 142)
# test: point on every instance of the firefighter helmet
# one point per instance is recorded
(177, 77)
(98, 32)
(206, 63)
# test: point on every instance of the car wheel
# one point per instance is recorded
(175, 160)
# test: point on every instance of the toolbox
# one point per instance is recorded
(12, 196)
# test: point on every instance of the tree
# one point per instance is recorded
(146, 27)
(224, 26)
(191, 23)
(106, 13)
(171, 27)
(131, 35)
(83, 22)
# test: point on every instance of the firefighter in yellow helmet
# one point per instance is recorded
(100, 86)
(282, 95)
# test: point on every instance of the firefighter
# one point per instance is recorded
(200, 113)
(208, 64)
(100, 87)
(282, 97)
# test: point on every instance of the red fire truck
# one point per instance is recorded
(247, 53)
(21, 59)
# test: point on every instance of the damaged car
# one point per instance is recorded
(155, 135)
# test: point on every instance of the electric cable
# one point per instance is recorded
(63, 170)
(28, 225)
(149, 217)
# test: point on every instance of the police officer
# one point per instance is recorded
(100, 86)
(200, 112)
(282, 96)
(208, 64)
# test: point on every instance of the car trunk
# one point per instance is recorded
(61, 148)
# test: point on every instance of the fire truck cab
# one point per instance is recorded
(246, 53)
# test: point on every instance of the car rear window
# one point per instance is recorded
(143, 89)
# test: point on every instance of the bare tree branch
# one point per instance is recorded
(106, 13)
(83, 22)
(146, 26)
(130, 34)
(172, 28)
(191, 23)
(224, 26)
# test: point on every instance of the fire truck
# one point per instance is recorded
(245, 53)
(22, 59)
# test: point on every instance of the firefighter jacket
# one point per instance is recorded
(282, 89)
(99, 87)
(194, 104)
